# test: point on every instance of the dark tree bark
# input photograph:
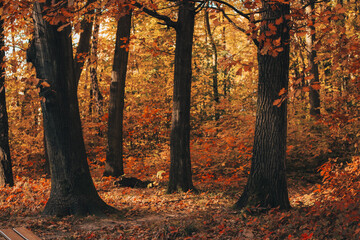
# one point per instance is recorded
(214, 66)
(266, 186)
(6, 175)
(72, 189)
(180, 167)
(82, 51)
(314, 94)
(114, 156)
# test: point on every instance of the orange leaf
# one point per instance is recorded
(277, 102)
(279, 21)
(272, 27)
(282, 91)
(316, 86)
(306, 89)
(301, 34)
(45, 84)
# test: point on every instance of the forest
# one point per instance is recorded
(180, 119)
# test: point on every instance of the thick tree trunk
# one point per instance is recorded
(266, 186)
(72, 189)
(114, 157)
(82, 51)
(180, 167)
(214, 66)
(314, 94)
(6, 175)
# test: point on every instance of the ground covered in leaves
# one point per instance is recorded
(150, 213)
(323, 190)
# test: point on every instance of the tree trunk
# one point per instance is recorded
(114, 157)
(83, 47)
(180, 167)
(72, 189)
(6, 174)
(266, 186)
(214, 66)
(94, 89)
(82, 51)
(314, 94)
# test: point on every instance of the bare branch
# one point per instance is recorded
(153, 13)
(245, 15)
(256, 42)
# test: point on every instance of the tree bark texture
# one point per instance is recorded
(214, 66)
(114, 156)
(314, 94)
(180, 166)
(266, 186)
(72, 189)
(6, 175)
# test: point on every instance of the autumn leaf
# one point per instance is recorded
(62, 27)
(272, 27)
(279, 21)
(282, 91)
(316, 86)
(306, 89)
(45, 84)
(277, 102)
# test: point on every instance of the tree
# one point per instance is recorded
(6, 175)
(214, 64)
(83, 47)
(314, 93)
(266, 186)
(94, 89)
(180, 166)
(72, 189)
(114, 155)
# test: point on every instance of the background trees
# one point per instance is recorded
(220, 150)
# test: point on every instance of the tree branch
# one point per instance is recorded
(153, 13)
(256, 42)
(247, 16)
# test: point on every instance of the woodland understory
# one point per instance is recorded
(321, 209)
(322, 151)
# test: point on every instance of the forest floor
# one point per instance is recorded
(324, 194)
(150, 213)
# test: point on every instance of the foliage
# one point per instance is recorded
(323, 154)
